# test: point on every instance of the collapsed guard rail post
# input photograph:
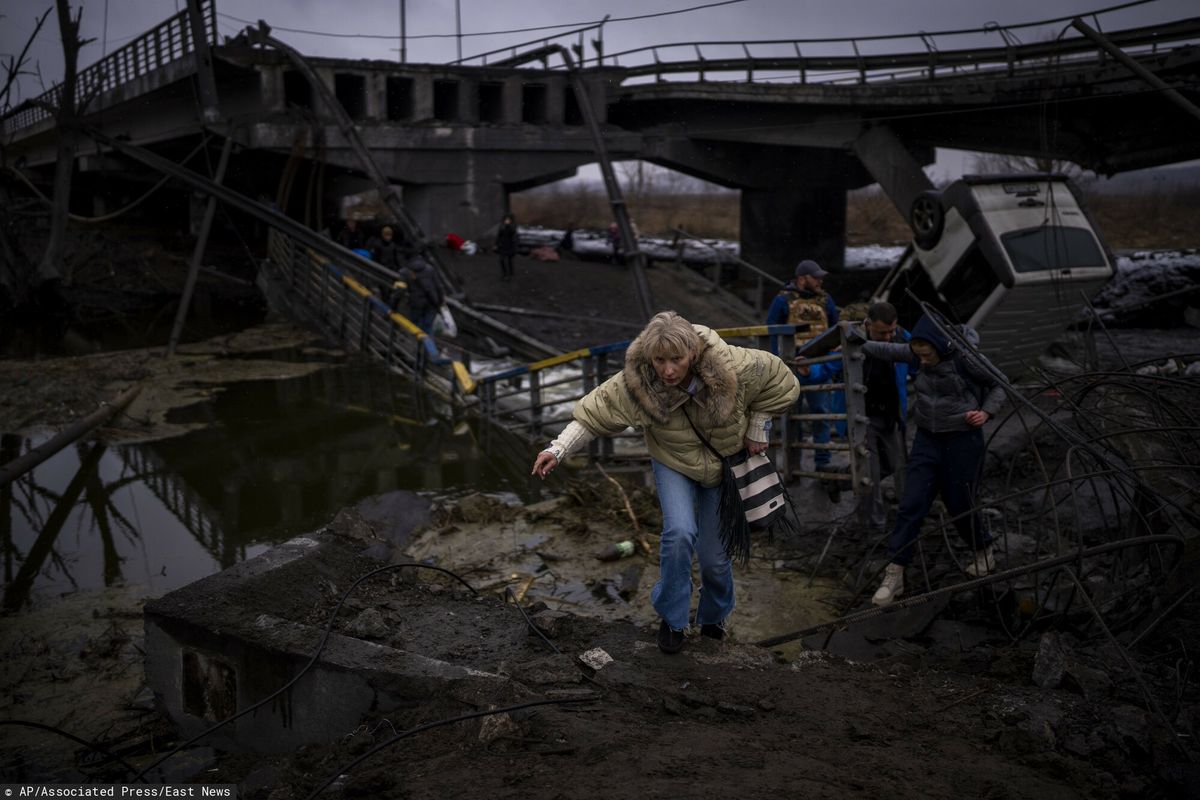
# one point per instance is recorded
(832, 346)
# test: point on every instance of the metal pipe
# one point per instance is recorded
(1136, 68)
(189, 285)
(19, 466)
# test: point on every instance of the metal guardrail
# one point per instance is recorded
(338, 298)
(928, 63)
(532, 399)
(842, 59)
(163, 44)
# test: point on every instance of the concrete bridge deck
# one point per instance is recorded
(460, 138)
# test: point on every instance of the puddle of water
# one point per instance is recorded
(276, 458)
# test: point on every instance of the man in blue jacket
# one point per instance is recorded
(802, 301)
(887, 407)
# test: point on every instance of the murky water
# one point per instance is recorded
(276, 458)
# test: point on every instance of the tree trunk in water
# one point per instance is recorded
(50, 268)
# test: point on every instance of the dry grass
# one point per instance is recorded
(712, 214)
(1160, 221)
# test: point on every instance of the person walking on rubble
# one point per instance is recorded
(956, 394)
(803, 301)
(676, 376)
(506, 246)
(886, 405)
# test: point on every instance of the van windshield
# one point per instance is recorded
(1052, 247)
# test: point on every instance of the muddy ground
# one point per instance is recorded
(954, 707)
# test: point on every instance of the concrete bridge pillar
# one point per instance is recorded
(783, 225)
(468, 209)
(793, 198)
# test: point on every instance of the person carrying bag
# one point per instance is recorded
(675, 372)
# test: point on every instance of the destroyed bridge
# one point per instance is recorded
(793, 124)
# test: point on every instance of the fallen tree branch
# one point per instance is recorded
(637, 529)
(19, 466)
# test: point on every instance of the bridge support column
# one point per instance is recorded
(783, 225)
(468, 209)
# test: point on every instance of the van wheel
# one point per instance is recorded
(926, 218)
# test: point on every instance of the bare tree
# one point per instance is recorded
(50, 270)
(15, 269)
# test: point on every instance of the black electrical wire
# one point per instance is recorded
(508, 594)
(500, 32)
(975, 583)
(90, 745)
(430, 725)
(312, 660)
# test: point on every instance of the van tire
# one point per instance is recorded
(927, 218)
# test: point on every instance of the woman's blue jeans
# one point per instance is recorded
(690, 527)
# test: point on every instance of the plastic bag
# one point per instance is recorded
(444, 324)
(469, 248)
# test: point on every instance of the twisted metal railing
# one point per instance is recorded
(165, 43)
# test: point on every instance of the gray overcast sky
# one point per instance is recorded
(736, 21)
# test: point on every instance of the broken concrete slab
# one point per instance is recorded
(220, 645)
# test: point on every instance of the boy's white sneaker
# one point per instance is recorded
(983, 563)
(892, 586)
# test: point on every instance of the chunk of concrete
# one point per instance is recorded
(226, 642)
(1050, 663)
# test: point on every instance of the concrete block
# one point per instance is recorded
(218, 646)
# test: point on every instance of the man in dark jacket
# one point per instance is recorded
(350, 237)
(956, 395)
(425, 296)
(506, 246)
(385, 250)
(886, 405)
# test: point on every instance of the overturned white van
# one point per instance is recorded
(1014, 256)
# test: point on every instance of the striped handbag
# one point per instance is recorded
(764, 498)
(753, 497)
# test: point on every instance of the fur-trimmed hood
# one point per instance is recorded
(714, 367)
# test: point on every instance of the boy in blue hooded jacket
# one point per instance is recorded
(956, 395)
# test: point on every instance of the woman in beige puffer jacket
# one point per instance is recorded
(675, 371)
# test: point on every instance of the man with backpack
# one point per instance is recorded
(956, 394)
(803, 302)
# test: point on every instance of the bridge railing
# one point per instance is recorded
(536, 401)
(166, 42)
(576, 39)
(813, 61)
(342, 298)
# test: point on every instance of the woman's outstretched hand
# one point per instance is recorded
(544, 464)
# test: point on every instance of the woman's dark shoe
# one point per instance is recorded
(669, 641)
(712, 632)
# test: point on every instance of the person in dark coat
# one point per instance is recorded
(957, 393)
(506, 246)
(350, 237)
(386, 251)
(425, 296)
